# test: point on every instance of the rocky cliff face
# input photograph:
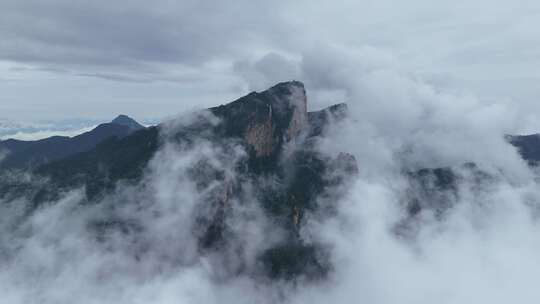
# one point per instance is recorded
(267, 120)
(284, 120)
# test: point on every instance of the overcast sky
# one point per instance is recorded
(150, 59)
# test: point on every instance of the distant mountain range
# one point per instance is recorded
(265, 124)
(30, 154)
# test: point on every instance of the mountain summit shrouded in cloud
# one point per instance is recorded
(256, 198)
(266, 160)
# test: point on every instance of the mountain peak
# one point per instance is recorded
(127, 121)
(288, 84)
(267, 119)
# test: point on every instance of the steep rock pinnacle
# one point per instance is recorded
(268, 119)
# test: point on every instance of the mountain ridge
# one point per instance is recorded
(24, 154)
(274, 129)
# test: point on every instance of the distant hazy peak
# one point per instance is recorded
(127, 121)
